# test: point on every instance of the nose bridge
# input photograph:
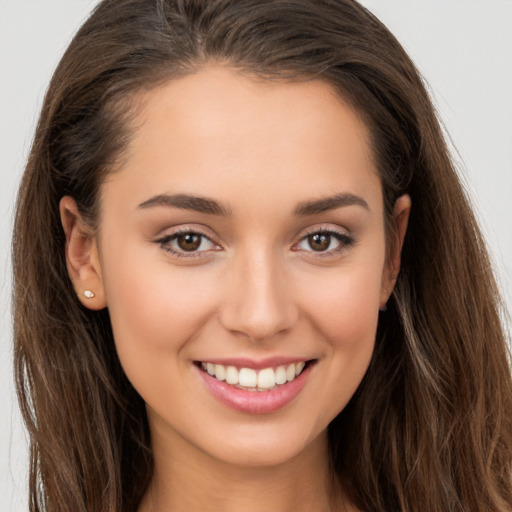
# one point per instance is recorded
(258, 302)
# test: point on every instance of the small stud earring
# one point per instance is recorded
(88, 294)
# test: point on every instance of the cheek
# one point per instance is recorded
(154, 308)
(343, 311)
(344, 307)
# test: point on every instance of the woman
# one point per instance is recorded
(246, 273)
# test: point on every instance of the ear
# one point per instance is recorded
(400, 220)
(82, 256)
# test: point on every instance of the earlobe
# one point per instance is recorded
(401, 212)
(82, 256)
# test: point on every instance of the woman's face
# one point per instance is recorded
(244, 236)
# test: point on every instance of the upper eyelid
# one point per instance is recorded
(323, 228)
(170, 232)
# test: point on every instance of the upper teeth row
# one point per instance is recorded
(250, 378)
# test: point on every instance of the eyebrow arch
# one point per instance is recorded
(329, 203)
(187, 202)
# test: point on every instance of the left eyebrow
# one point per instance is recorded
(329, 203)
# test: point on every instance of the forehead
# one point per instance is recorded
(217, 132)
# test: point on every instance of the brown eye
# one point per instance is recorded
(189, 241)
(325, 242)
(187, 244)
(319, 241)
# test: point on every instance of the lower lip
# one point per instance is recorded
(256, 402)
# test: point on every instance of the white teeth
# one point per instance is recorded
(220, 372)
(247, 378)
(280, 375)
(261, 380)
(266, 378)
(299, 367)
(231, 375)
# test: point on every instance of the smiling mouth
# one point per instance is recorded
(249, 379)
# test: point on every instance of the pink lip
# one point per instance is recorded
(269, 362)
(255, 402)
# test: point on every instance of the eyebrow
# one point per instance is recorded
(329, 203)
(187, 202)
(212, 207)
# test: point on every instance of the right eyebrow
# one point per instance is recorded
(187, 202)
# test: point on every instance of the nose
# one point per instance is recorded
(259, 302)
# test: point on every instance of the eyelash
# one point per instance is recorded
(344, 240)
(167, 239)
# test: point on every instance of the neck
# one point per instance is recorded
(194, 481)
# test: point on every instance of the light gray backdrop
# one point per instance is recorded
(463, 48)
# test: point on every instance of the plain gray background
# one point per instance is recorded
(462, 47)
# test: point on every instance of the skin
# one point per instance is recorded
(256, 288)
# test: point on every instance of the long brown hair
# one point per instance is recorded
(430, 427)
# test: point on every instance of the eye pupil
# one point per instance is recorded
(319, 241)
(189, 241)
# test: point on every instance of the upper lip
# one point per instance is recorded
(255, 364)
